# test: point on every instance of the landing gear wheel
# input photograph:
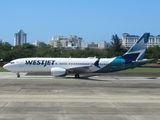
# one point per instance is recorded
(18, 75)
(76, 75)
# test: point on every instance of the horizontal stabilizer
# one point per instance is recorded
(143, 61)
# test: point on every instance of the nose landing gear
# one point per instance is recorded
(18, 75)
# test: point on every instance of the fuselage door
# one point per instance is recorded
(21, 65)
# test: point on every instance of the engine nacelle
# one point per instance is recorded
(58, 71)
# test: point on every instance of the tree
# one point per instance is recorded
(153, 53)
(42, 45)
(116, 46)
(4, 50)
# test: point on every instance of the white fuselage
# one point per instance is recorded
(46, 64)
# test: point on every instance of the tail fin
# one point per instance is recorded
(137, 51)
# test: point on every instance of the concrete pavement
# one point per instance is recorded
(88, 98)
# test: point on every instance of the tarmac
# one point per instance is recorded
(104, 97)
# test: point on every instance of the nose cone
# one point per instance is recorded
(6, 66)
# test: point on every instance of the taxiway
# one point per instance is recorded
(88, 98)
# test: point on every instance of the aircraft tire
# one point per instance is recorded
(76, 75)
(18, 75)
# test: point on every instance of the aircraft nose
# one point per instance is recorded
(6, 66)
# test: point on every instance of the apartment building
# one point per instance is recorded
(64, 42)
(128, 40)
(20, 37)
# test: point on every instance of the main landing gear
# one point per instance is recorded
(18, 75)
(77, 75)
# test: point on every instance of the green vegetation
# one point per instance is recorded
(138, 69)
(9, 52)
(142, 69)
(3, 70)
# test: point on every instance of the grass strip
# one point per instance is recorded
(3, 70)
(138, 69)
(141, 69)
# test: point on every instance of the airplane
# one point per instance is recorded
(64, 66)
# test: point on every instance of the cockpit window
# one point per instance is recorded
(12, 62)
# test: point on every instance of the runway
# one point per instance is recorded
(87, 98)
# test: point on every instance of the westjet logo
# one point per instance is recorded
(40, 62)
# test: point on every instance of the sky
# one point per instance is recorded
(93, 20)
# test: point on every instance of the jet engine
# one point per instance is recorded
(58, 71)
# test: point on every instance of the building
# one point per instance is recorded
(71, 41)
(96, 45)
(20, 38)
(36, 43)
(3, 41)
(128, 40)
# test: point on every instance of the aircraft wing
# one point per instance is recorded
(79, 69)
(82, 69)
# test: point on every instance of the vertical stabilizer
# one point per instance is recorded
(137, 51)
